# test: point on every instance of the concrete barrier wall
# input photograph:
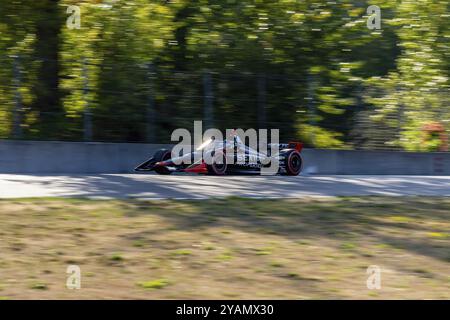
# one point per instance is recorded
(376, 162)
(72, 157)
(96, 157)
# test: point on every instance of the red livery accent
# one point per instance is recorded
(296, 145)
(197, 168)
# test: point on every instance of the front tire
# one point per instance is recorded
(162, 155)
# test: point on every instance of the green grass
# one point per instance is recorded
(39, 286)
(116, 257)
(439, 235)
(225, 256)
(276, 264)
(182, 252)
(221, 248)
(154, 284)
(138, 243)
(348, 246)
(264, 251)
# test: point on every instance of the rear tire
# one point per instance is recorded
(162, 155)
(217, 169)
(293, 163)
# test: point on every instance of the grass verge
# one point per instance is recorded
(226, 248)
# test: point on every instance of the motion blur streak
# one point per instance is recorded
(199, 187)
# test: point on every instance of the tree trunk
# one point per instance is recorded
(47, 102)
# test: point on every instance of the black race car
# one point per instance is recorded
(230, 156)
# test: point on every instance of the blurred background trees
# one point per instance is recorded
(136, 70)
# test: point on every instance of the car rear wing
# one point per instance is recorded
(291, 145)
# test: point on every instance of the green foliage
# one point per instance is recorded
(418, 89)
(320, 138)
(327, 78)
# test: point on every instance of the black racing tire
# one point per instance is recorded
(293, 163)
(162, 155)
(218, 169)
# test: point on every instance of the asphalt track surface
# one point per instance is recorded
(179, 186)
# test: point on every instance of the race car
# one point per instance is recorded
(242, 159)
